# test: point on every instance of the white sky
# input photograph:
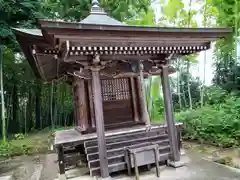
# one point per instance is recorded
(197, 71)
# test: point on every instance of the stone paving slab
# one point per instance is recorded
(196, 169)
(6, 178)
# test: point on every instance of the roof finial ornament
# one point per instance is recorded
(96, 7)
(95, 3)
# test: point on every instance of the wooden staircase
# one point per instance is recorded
(116, 148)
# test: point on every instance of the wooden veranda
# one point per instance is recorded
(105, 61)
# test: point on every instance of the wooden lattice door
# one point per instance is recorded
(117, 101)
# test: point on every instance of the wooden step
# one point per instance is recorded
(116, 145)
(121, 158)
(115, 152)
(124, 137)
(121, 166)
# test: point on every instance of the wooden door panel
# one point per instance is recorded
(117, 104)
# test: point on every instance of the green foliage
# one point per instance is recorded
(227, 68)
(217, 124)
(28, 105)
(21, 144)
(184, 78)
(76, 10)
(10, 149)
(215, 95)
(143, 18)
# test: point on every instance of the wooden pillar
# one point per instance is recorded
(91, 106)
(61, 162)
(134, 100)
(168, 108)
(82, 108)
(75, 106)
(98, 108)
(143, 105)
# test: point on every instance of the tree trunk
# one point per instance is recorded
(178, 84)
(189, 87)
(205, 58)
(8, 110)
(25, 118)
(55, 110)
(183, 93)
(29, 123)
(38, 106)
(51, 106)
(204, 79)
(3, 117)
(188, 62)
(14, 125)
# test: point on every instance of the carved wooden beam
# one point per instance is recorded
(117, 57)
(37, 62)
(66, 51)
(76, 74)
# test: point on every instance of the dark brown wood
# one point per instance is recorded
(144, 155)
(91, 106)
(140, 98)
(75, 103)
(117, 105)
(61, 162)
(127, 136)
(59, 28)
(52, 37)
(179, 135)
(134, 99)
(98, 107)
(168, 108)
(125, 143)
(82, 106)
(165, 148)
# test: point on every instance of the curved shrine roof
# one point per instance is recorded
(57, 44)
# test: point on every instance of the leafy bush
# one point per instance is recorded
(218, 124)
(9, 149)
(215, 95)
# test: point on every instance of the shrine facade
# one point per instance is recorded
(105, 62)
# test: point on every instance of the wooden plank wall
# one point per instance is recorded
(118, 102)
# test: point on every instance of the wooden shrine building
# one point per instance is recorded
(105, 62)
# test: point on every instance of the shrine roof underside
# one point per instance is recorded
(60, 48)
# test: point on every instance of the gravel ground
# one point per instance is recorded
(22, 167)
(50, 167)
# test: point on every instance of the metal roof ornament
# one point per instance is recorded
(95, 3)
(98, 16)
(96, 8)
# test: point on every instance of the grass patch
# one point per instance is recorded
(158, 121)
(32, 143)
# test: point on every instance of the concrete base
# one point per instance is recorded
(6, 178)
(182, 152)
(176, 164)
(100, 178)
(62, 177)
